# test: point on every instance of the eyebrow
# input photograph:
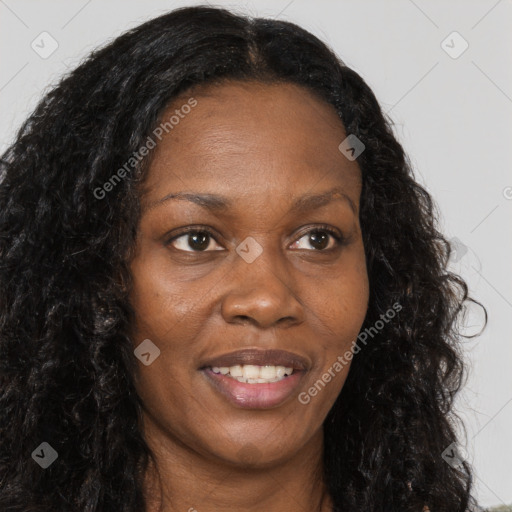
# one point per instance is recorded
(217, 203)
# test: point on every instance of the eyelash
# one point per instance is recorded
(339, 239)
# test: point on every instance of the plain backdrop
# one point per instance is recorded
(450, 97)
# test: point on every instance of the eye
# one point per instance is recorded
(194, 240)
(321, 238)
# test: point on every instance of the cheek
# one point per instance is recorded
(161, 308)
(162, 314)
(160, 303)
(336, 317)
(342, 306)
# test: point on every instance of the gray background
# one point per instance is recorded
(453, 116)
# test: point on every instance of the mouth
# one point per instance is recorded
(256, 379)
(254, 374)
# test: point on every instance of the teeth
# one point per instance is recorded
(268, 372)
(235, 371)
(254, 374)
(250, 371)
(281, 371)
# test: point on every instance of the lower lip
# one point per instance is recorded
(254, 396)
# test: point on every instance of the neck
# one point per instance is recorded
(189, 481)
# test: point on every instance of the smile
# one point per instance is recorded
(254, 374)
(256, 378)
(254, 393)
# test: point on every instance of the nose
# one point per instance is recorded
(262, 293)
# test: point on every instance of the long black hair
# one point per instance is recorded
(66, 360)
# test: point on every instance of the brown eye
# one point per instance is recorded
(320, 239)
(198, 240)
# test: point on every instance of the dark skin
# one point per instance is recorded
(263, 147)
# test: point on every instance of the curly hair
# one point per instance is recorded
(66, 359)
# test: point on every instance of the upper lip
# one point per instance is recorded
(259, 357)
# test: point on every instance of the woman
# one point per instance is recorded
(222, 287)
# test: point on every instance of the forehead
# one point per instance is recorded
(251, 137)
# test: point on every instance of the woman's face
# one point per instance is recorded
(266, 157)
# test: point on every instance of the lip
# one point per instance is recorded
(259, 395)
(254, 396)
(259, 357)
